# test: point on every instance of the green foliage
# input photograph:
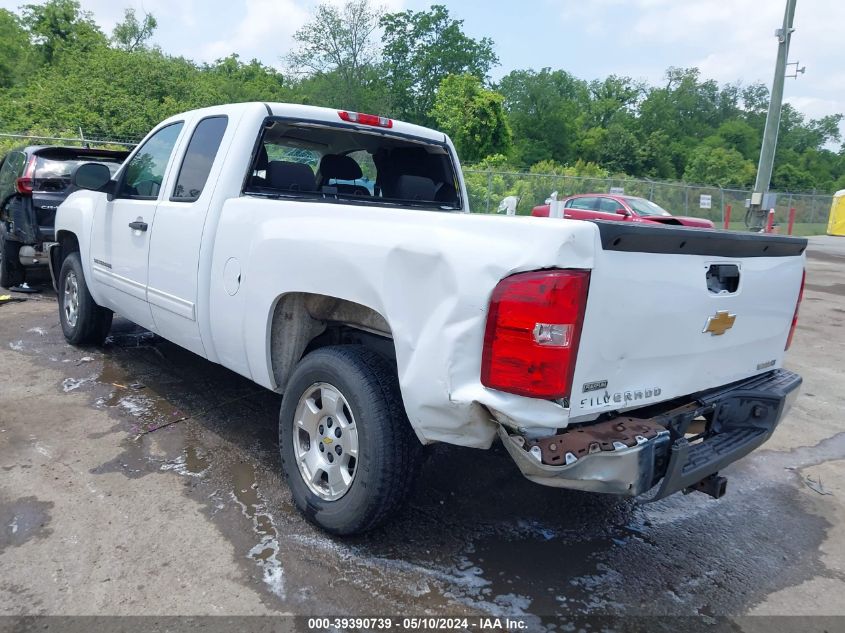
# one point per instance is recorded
(131, 34)
(15, 52)
(472, 116)
(235, 81)
(791, 178)
(543, 109)
(421, 49)
(60, 25)
(117, 93)
(719, 166)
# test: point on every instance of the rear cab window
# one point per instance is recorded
(330, 163)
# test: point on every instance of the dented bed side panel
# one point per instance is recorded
(428, 274)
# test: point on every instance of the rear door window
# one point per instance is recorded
(586, 204)
(199, 157)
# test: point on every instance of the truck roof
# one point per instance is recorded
(315, 113)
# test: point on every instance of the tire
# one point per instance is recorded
(83, 321)
(387, 452)
(11, 271)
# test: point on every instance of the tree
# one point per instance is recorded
(543, 110)
(109, 92)
(15, 50)
(473, 117)
(131, 34)
(741, 136)
(788, 177)
(613, 97)
(252, 81)
(61, 24)
(338, 42)
(719, 166)
(422, 48)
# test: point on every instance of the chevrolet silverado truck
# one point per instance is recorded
(330, 256)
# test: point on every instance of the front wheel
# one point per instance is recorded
(83, 321)
(348, 451)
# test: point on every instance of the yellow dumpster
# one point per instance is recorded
(836, 224)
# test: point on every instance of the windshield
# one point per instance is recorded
(331, 163)
(641, 206)
(52, 175)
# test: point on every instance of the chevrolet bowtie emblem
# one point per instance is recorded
(720, 323)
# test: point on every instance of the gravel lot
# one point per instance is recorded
(100, 516)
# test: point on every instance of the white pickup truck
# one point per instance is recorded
(330, 256)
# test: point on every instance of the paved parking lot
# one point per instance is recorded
(99, 515)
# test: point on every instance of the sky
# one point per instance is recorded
(729, 40)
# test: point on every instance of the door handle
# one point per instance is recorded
(138, 225)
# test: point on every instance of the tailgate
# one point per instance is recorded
(655, 329)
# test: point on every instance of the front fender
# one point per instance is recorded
(75, 216)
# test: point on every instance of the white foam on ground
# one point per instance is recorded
(180, 467)
(271, 566)
(69, 384)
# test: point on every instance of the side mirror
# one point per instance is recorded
(94, 177)
(623, 212)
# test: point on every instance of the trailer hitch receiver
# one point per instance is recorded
(713, 485)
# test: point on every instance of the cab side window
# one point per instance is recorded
(141, 180)
(199, 157)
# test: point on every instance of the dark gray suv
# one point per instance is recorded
(33, 182)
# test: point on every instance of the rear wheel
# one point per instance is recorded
(348, 451)
(83, 321)
(11, 271)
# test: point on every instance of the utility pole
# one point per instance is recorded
(757, 211)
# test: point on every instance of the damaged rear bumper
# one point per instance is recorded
(630, 455)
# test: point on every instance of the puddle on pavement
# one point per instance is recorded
(149, 409)
(23, 519)
(192, 462)
(536, 576)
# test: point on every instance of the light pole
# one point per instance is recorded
(757, 210)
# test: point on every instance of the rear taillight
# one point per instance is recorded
(533, 330)
(795, 315)
(23, 185)
(365, 119)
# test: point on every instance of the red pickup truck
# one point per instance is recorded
(602, 206)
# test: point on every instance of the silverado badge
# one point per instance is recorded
(720, 323)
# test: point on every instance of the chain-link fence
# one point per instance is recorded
(487, 189)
